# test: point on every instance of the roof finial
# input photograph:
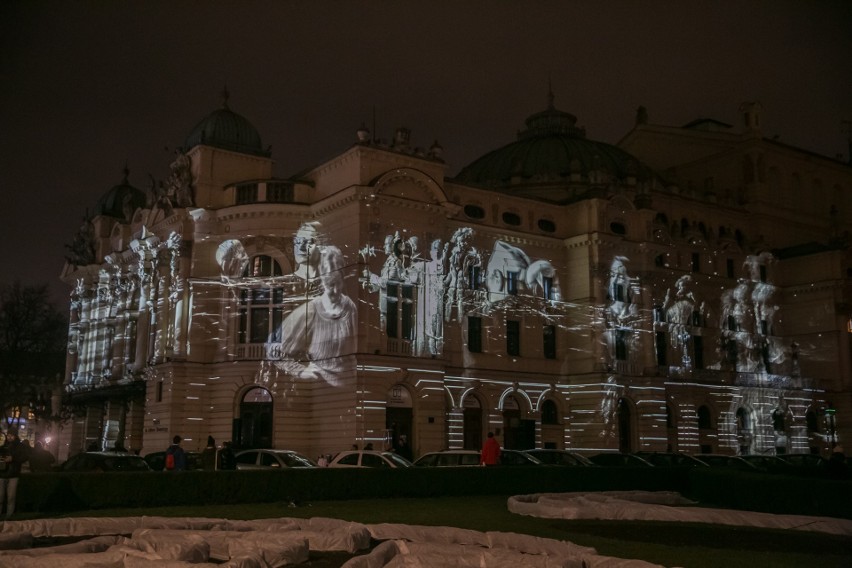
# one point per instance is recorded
(225, 96)
(549, 93)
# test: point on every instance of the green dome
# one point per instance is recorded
(223, 128)
(549, 151)
(121, 201)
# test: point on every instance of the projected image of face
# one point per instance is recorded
(306, 250)
(232, 258)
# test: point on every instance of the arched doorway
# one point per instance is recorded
(625, 426)
(472, 423)
(518, 434)
(399, 419)
(253, 428)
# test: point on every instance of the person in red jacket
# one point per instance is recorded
(490, 451)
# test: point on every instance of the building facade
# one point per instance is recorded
(687, 289)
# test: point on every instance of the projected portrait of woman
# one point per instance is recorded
(316, 334)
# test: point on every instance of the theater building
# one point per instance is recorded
(687, 289)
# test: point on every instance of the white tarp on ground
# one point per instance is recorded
(180, 542)
(661, 506)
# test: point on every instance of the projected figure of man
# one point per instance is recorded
(318, 333)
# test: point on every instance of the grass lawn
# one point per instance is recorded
(668, 544)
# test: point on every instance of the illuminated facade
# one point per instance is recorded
(688, 289)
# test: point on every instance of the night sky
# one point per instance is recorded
(88, 87)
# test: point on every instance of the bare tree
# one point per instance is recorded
(32, 350)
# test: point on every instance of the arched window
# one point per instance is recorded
(261, 266)
(705, 419)
(549, 413)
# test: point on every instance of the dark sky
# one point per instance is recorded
(90, 86)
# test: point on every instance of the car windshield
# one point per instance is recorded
(125, 464)
(295, 460)
(398, 461)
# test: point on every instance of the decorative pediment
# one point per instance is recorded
(408, 183)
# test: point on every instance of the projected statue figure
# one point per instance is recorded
(622, 309)
(681, 313)
(318, 333)
(454, 280)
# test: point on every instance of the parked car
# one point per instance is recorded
(720, 460)
(769, 464)
(369, 458)
(559, 457)
(449, 458)
(271, 459)
(671, 459)
(615, 459)
(517, 457)
(805, 460)
(157, 460)
(105, 461)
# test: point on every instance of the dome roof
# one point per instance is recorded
(548, 152)
(121, 201)
(223, 128)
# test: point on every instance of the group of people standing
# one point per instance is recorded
(14, 454)
(212, 458)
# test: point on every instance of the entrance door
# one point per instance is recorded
(398, 422)
(472, 423)
(625, 427)
(255, 424)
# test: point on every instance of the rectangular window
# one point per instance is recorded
(474, 334)
(547, 287)
(732, 323)
(159, 395)
(259, 325)
(473, 277)
(698, 351)
(661, 344)
(549, 332)
(246, 193)
(512, 282)
(764, 327)
(513, 337)
(696, 262)
(762, 273)
(407, 313)
(696, 318)
(621, 344)
(392, 314)
(729, 266)
(242, 336)
(278, 192)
